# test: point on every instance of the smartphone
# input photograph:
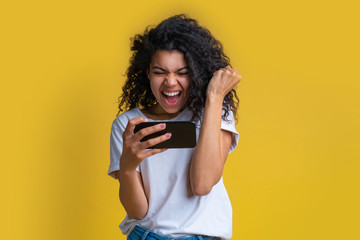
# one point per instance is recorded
(183, 134)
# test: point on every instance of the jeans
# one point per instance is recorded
(140, 233)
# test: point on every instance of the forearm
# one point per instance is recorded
(132, 195)
(207, 163)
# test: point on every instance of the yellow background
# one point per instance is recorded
(295, 174)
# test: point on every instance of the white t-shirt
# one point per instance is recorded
(173, 209)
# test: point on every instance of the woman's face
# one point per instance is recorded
(169, 80)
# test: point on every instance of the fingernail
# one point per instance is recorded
(163, 125)
(168, 135)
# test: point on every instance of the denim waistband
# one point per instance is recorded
(140, 233)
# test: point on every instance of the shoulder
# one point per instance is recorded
(121, 121)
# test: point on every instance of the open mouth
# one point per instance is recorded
(171, 98)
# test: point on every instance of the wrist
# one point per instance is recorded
(214, 99)
(127, 173)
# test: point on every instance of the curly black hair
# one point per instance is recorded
(203, 54)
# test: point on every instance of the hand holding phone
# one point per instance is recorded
(133, 150)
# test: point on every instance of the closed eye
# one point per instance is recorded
(183, 73)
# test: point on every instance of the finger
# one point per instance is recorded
(218, 72)
(237, 75)
(232, 73)
(221, 74)
(230, 79)
(129, 130)
(147, 131)
(148, 153)
(228, 67)
(153, 141)
(231, 69)
(227, 74)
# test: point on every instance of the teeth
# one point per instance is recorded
(171, 93)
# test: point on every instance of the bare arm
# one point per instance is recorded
(131, 192)
(213, 144)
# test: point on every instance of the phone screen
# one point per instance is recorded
(183, 134)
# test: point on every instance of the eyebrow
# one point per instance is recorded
(162, 69)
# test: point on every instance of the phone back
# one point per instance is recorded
(183, 134)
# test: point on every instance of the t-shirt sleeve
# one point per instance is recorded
(116, 146)
(229, 125)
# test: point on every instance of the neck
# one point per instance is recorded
(157, 113)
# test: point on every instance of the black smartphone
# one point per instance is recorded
(183, 134)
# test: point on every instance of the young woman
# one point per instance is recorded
(178, 72)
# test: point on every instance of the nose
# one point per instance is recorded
(171, 79)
